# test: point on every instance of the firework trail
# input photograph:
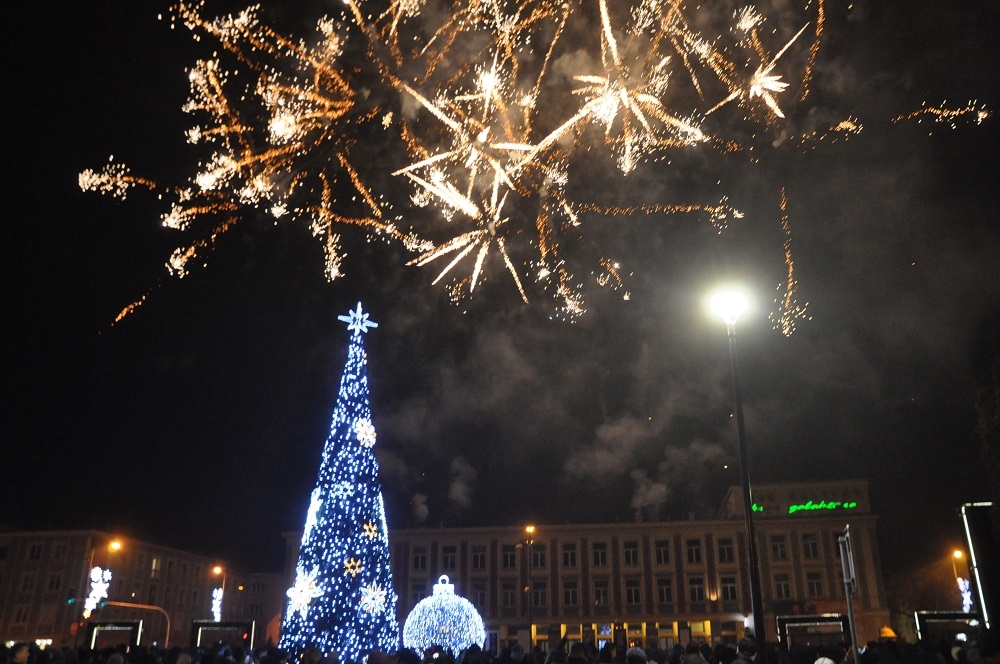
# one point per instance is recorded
(789, 309)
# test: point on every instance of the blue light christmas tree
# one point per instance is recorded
(343, 598)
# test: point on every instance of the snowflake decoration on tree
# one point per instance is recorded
(371, 530)
(365, 431)
(343, 491)
(314, 504)
(352, 567)
(373, 598)
(304, 591)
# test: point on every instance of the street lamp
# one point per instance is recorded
(218, 593)
(956, 555)
(729, 304)
(529, 541)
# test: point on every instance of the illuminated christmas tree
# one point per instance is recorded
(343, 598)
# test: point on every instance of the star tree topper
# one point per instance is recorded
(357, 321)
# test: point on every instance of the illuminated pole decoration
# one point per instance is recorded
(100, 581)
(444, 619)
(342, 599)
(218, 593)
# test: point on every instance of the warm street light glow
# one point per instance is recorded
(217, 570)
(729, 304)
(115, 545)
(957, 553)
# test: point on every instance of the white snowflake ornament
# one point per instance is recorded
(365, 431)
(373, 597)
(304, 591)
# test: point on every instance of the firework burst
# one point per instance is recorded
(452, 127)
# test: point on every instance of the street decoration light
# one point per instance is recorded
(964, 585)
(217, 593)
(729, 304)
(99, 579)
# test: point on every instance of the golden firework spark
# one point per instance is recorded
(482, 110)
(789, 309)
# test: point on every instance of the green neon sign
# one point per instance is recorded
(822, 505)
(812, 507)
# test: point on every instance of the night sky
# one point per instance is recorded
(198, 421)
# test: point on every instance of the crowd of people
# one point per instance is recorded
(984, 648)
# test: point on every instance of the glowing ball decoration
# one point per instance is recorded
(444, 619)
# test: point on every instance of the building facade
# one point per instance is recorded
(45, 580)
(661, 583)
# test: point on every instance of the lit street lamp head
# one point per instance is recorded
(729, 304)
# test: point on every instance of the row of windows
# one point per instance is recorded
(725, 553)
(727, 590)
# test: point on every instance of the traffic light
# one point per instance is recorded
(71, 596)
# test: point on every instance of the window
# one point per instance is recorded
(21, 614)
(194, 598)
(479, 594)
(508, 557)
(418, 591)
(600, 554)
(27, 582)
(256, 610)
(154, 570)
(814, 584)
(782, 586)
(570, 596)
(601, 592)
(448, 557)
(184, 571)
(810, 545)
(662, 552)
(694, 550)
(725, 549)
(35, 552)
(778, 549)
(151, 597)
(631, 553)
(508, 594)
(696, 589)
(664, 590)
(170, 571)
(727, 588)
(419, 558)
(55, 581)
(478, 556)
(60, 552)
(539, 594)
(180, 596)
(538, 555)
(4, 550)
(632, 592)
(569, 555)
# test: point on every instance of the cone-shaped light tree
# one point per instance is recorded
(343, 598)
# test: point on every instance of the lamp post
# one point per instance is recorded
(729, 304)
(529, 541)
(218, 570)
